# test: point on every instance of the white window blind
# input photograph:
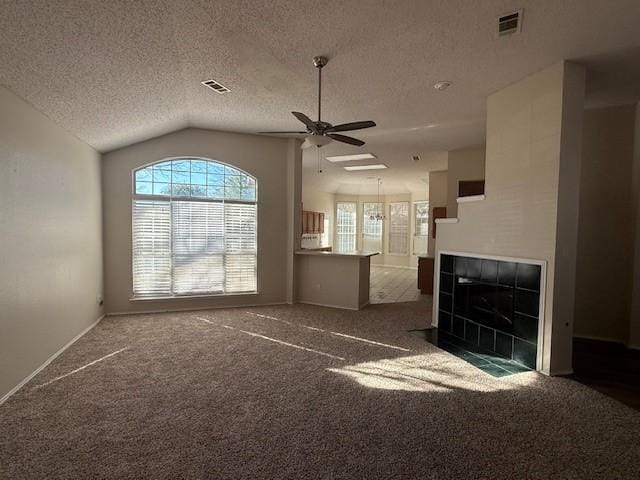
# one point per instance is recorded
(345, 227)
(399, 228)
(184, 245)
(198, 247)
(420, 238)
(151, 247)
(372, 213)
(326, 239)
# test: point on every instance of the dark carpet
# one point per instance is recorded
(294, 392)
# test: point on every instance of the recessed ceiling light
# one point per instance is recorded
(442, 85)
(348, 158)
(376, 166)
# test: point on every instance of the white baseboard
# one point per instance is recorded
(192, 309)
(599, 339)
(382, 265)
(48, 361)
(328, 305)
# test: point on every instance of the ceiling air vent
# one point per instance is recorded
(415, 158)
(510, 23)
(215, 86)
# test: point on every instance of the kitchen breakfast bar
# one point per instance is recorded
(339, 280)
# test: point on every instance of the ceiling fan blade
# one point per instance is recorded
(276, 133)
(345, 127)
(345, 139)
(304, 119)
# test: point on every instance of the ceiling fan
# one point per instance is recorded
(321, 133)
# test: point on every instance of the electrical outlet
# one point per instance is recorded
(99, 299)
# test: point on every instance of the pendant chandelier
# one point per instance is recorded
(378, 216)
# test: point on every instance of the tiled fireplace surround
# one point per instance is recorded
(491, 305)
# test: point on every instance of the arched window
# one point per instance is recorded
(194, 229)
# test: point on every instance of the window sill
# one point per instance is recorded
(206, 295)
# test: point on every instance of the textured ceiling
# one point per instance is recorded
(114, 72)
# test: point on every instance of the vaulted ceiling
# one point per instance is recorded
(114, 72)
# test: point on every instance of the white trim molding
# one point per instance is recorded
(470, 198)
(405, 267)
(328, 305)
(196, 309)
(48, 361)
(600, 339)
(446, 220)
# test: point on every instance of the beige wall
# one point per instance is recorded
(438, 194)
(464, 164)
(265, 158)
(340, 281)
(605, 241)
(50, 219)
(294, 214)
(519, 218)
(634, 325)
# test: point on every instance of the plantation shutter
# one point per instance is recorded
(198, 247)
(421, 228)
(372, 228)
(399, 228)
(240, 258)
(151, 248)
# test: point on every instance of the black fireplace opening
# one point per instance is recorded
(491, 306)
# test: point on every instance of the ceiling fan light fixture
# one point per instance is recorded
(316, 141)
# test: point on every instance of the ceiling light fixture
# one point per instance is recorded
(442, 85)
(376, 166)
(378, 216)
(348, 158)
(316, 141)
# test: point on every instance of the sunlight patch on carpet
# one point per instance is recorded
(275, 340)
(81, 368)
(427, 373)
(337, 334)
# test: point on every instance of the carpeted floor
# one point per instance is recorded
(295, 392)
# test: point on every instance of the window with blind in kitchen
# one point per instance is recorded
(399, 228)
(194, 229)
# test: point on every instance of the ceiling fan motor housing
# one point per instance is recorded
(320, 61)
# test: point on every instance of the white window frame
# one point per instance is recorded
(391, 232)
(417, 237)
(170, 199)
(338, 227)
(369, 237)
(326, 239)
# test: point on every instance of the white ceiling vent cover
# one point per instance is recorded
(510, 23)
(215, 86)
